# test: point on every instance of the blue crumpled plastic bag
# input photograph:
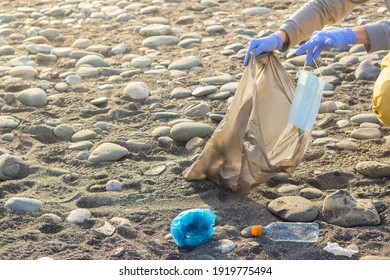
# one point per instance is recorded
(193, 227)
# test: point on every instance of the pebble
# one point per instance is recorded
(82, 43)
(219, 95)
(84, 135)
(366, 133)
(185, 131)
(161, 131)
(33, 97)
(63, 130)
(51, 219)
(7, 50)
(254, 11)
(340, 208)
(367, 70)
(343, 123)
(185, 63)
(108, 152)
(362, 118)
(81, 146)
(155, 29)
(99, 101)
(217, 80)
(25, 72)
(8, 122)
(92, 60)
(73, 79)
(61, 87)
(311, 193)
(319, 133)
(23, 204)
(288, 190)
(373, 169)
(197, 110)
(194, 143)
(230, 87)
(141, 62)
(225, 246)
(293, 209)
(114, 186)
(327, 107)
(79, 216)
(215, 29)
(180, 93)
(155, 41)
(106, 230)
(136, 91)
(204, 90)
(347, 145)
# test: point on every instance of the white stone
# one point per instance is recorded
(33, 97)
(136, 91)
(79, 216)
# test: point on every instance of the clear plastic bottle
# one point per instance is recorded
(282, 231)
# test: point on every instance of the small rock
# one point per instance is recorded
(84, 135)
(156, 41)
(23, 204)
(294, 209)
(362, 118)
(106, 230)
(93, 60)
(366, 133)
(108, 152)
(288, 190)
(114, 186)
(255, 11)
(23, 72)
(180, 93)
(347, 145)
(201, 91)
(367, 70)
(341, 209)
(185, 63)
(311, 193)
(79, 216)
(194, 143)
(197, 110)
(63, 130)
(141, 62)
(136, 91)
(8, 122)
(185, 131)
(373, 169)
(33, 97)
(10, 167)
(327, 107)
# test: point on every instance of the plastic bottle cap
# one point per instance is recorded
(257, 231)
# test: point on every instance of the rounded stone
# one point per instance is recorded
(141, 62)
(373, 169)
(185, 63)
(311, 193)
(84, 135)
(366, 133)
(114, 186)
(8, 122)
(33, 97)
(63, 130)
(288, 190)
(79, 216)
(294, 209)
(23, 72)
(136, 91)
(23, 204)
(108, 152)
(185, 131)
(93, 60)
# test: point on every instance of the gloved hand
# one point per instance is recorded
(322, 40)
(266, 44)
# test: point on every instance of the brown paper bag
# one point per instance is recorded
(254, 141)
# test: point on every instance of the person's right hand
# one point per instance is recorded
(266, 44)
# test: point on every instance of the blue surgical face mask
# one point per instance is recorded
(307, 100)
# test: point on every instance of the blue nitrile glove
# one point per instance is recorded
(322, 40)
(266, 44)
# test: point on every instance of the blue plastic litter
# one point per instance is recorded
(307, 100)
(193, 227)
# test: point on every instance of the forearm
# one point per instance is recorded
(313, 17)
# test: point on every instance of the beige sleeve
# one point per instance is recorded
(313, 16)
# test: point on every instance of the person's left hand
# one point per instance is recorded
(327, 39)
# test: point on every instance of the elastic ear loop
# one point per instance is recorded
(315, 63)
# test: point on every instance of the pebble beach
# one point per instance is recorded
(104, 104)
